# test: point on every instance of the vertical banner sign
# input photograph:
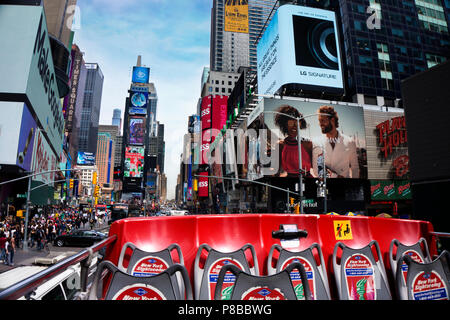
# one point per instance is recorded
(236, 16)
(72, 97)
(206, 112)
(203, 185)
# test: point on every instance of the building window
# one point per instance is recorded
(385, 66)
(433, 60)
(431, 15)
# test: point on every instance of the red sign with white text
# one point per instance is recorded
(203, 185)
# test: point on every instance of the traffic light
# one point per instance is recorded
(71, 184)
(94, 177)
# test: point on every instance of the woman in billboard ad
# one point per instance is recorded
(333, 132)
(285, 121)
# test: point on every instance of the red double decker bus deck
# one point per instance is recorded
(228, 233)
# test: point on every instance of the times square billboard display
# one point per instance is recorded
(273, 148)
(141, 75)
(137, 131)
(134, 162)
(139, 103)
(300, 47)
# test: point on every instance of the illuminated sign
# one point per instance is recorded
(134, 162)
(300, 46)
(141, 75)
(137, 131)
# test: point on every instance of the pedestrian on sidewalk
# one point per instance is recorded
(2, 246)
(10, 250)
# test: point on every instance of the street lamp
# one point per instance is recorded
(299, 141)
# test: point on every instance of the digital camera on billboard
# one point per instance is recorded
(315, 43)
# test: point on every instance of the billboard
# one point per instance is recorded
(236, 16)
(134, 162)
(25, 27)
(300, 46)
(26, 140)
(44, 160)
(387, 145)
(385, 190)
(138, 103)
(141, 75)
(339, 139)
(86, 159)
(137, 131)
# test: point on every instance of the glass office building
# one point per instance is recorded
(387, 41)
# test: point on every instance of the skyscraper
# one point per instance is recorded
(393, 42)
(117, 119)
(90, 111)
(231, 50)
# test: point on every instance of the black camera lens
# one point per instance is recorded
(315, 43)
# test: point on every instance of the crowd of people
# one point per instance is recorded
(42, 228)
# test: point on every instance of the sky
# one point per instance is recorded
(173, 38)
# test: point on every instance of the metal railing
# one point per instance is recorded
(440, 234)
(27, 286)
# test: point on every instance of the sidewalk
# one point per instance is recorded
(27, 258)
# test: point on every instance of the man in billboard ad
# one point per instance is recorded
(300, 47)
(137, 131)
(134, 162)
(333, 132)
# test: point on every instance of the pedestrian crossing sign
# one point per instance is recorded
(343, 230)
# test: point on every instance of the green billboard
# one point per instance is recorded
(382, 190)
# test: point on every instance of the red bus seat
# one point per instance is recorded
(316, 273)
(205, 277)
(424, 281)
(250, 287)
(228, 233)
(358, 275)
(122, 286)
(140, 263)
(418, 252)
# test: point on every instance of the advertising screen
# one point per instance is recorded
(236, 16)
(86, 159)
(26, 140)
(338, 138)
(301, 47)
(134, 162)
(138, 103)
(141, 75)
(137, 131)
